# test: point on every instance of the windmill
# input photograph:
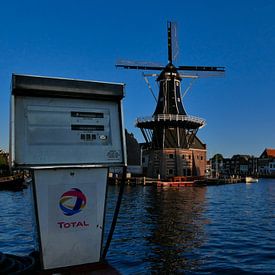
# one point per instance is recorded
(170, 129)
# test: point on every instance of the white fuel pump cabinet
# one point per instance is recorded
(68, 133)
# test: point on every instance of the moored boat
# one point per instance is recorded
(182, 181)
(13, 183)
(250, 179)
(175, 183)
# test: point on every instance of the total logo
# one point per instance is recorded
(72, 202)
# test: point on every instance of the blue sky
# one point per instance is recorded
(83, 39)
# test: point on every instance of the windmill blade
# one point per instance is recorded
(155, 75)
(174, 41)
(201, 68)
(173, 44)
(169, 42)
(201, 74)
(139, 65)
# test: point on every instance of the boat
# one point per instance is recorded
(13, 183)
(175, 183)
(250, 180)
(182, 181)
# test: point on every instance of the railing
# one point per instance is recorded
(170, 117)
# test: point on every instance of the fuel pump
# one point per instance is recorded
(68, 133)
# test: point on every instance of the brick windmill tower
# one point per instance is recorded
(172, 147)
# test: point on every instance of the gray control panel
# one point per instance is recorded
(68, 125)
(63, 121)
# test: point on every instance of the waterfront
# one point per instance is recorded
(228, 229)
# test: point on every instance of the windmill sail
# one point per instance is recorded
(139, 65)
(175, 41)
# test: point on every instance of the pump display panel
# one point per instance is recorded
(53, 129)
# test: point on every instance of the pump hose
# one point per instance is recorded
(114, 221)
(13, 265)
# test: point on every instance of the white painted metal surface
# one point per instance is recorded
(70, 209)
(66, 122)
(71, 131)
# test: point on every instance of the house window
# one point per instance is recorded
(170, 171)
(201, 157)
(171, 156)
(182, 156)
(189, 157)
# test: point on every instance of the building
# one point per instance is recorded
(170, 162)
(266, 162)
(243, 165)
(238, 165)
(133, 154)
(217, 166)
(208, 169)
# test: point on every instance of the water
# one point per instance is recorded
(227, 229)
(16, 222)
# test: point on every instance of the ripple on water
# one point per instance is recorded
(16, 222)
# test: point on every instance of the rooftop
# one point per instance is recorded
(270, 152)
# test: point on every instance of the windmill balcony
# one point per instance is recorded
(172, 120)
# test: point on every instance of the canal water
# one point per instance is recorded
(227, 229)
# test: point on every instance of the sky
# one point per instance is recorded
(84, 39)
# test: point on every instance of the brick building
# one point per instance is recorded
(176, 161)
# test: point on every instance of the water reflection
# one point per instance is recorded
(177, 215)
(158, 229)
